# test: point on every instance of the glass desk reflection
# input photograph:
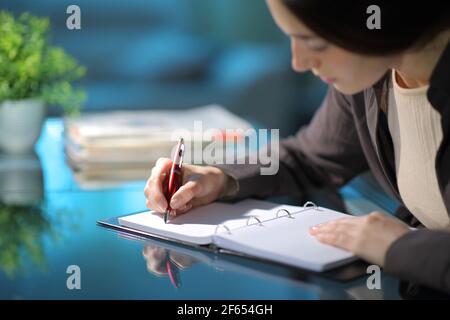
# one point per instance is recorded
(48, 224)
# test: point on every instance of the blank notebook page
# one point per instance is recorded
(287, 240)
(199, 224)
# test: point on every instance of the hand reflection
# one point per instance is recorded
(163, 262)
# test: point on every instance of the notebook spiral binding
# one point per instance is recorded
(223, 226)
(307, 205)
(256, 218)
(289, 215)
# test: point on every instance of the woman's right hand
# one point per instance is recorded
(201, 185)
(156, 258)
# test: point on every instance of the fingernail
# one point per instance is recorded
(315, 229)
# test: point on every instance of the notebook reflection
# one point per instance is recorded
(164, 262)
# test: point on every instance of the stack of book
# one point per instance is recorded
(124, 145)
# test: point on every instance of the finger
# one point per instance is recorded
(182, 210)
(150, 205)
(185, 194)
(154, 257)
(338, 239)
(154, 187)
(160, 171)
(153, 203)
(157, 269)
(153, 252)
(330, 226)
(162, 166)
(155, 196)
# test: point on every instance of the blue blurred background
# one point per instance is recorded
(159, 54)
(150, 54)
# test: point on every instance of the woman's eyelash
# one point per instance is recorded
(318, 47)
(314, 43)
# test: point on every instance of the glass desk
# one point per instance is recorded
(48, 223)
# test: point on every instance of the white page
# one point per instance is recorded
(199, 224)
(287, 240)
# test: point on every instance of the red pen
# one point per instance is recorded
(173, 272)
(175, 177)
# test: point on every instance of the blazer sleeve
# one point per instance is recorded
(421, 256)
(324, 154)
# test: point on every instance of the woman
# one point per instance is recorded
(387, 110)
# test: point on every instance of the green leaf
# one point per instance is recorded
(30, 67)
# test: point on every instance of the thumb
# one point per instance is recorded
(185, 194)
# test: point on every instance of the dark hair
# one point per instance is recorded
(404, 25)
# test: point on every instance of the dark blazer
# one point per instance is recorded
(349, 135)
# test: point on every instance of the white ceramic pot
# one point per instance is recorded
(20, 124)
(21, 179)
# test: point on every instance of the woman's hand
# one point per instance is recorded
(201, 185)
(368, 237)
(156, 258)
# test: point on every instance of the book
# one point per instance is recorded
(130, 129)
(234, 263)
(126, 144)
(255, 228)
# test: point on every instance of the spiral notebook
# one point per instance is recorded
(255, 228)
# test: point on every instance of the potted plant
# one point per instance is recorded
(33, 74)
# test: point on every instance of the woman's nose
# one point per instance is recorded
(301, 60)
(298, 65)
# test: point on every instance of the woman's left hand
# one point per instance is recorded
(368, 237)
